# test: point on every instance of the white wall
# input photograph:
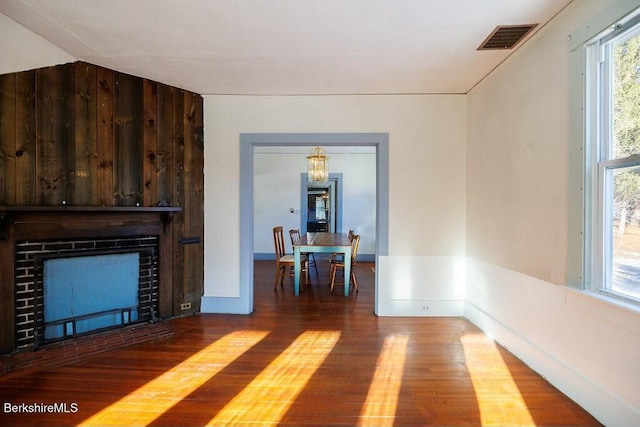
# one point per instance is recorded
(427, 137)
(277, 189)
(517, 227)
(23, 50)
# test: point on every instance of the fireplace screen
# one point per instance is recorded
(86, 293)
(66, 288)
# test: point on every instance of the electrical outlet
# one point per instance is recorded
(185, 306)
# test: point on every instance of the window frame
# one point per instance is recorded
(597, 265)
(582, 182)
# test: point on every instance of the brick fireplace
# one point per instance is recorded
(32, 235)
(36, 321)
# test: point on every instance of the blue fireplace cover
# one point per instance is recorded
(84, 285)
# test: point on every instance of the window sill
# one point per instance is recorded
(611, 300)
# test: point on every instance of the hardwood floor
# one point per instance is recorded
(316, 359)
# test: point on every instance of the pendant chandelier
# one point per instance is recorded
(317, 166)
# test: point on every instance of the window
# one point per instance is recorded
(613, 160)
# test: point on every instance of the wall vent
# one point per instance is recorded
(506, 36)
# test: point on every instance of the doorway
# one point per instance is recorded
(243, 304)
(321, 204)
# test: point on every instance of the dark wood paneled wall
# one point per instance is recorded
(83, 135)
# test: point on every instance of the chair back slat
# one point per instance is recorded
(355, 243)
(278, 241)
(295, 235)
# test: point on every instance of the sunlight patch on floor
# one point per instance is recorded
(499, 399)
(157, 396)
(382, 399)
(268, 397)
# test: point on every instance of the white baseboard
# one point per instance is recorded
(224, 305)
(421, 308)
(605, 407)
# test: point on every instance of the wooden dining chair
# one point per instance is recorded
(340, 255)
(285, 263)
(295, 235)
(339, 263)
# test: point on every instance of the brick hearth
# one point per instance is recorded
(72, 351)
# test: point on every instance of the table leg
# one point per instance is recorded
(347, 270)
(296, 256)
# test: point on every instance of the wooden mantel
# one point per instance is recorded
(10, 213)
(65, 208)
(35, 223)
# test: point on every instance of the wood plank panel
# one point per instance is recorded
(7, 139)
(197, 205)
(150, 136)
(104, 178)
(180, 289)
(164, 187)
(86, 133)
(164, 153)
(165, 299)
(193, 275)
(381, 371)
(128, 116)
(55, 134)
(26, 150)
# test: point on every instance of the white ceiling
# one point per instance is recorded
(286, 47)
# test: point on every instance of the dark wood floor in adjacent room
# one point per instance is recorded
(317, 359)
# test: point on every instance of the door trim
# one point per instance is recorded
(248, 141)
(304, 187)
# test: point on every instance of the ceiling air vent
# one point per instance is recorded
(506, 36)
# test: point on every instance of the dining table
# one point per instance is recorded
(322, 243)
